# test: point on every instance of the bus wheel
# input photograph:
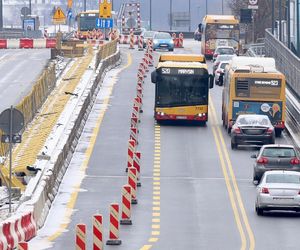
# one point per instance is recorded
(278, 132)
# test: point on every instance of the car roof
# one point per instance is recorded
(224, 47)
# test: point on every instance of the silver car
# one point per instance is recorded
(278, 190)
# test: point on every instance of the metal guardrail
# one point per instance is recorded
(286, 62)
(256, 50)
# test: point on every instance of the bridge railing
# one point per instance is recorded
(289, 65)
(286, 61)
(256, 50)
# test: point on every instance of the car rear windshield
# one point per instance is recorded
(223, 65)
(279, 152)
(225, 51)
(253, 120)
(283, 178)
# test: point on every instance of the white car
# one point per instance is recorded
(278, 190)
(220, 70)
(221, 58)
(223, 50)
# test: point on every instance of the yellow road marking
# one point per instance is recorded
(156, 186)
(92, 141)
(155, 233)
(146, 247)
(235, 185)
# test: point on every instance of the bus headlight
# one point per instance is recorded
(201, 114)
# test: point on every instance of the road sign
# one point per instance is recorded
(17, 121)
(104, 23)
(15, 138)
(25, 11)
(253, 4)
(246, 16)
(29, 24)
(105, 7)
(59, 16)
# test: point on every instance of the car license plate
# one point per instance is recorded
(180, 117)
(163, 45)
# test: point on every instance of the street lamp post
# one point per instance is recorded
(171, 15)
(222, 7)
(150, 19)
(1, 15)
(273, 18)
(206, 7)
(189, 15)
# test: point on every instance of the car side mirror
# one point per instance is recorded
(255, 182)
(211, 81)
(253, 156)
(154, 76)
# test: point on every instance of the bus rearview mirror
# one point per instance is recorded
(211, 81)
(153, 76)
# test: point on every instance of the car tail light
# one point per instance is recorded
(264, 190)
(270, 130)
(219, 71)
(237, 130)
(262, 160)
(295, 161)
(299, 192)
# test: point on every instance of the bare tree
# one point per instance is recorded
(262, 16)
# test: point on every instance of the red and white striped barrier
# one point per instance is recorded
(125, 39)
(138, 103)
(126, 205)
(26, 43)
(137, 165)
(132, 182)
(46, 34)
(131, 45)
(114, 225)
(23, 245)
(146, 62)
(97, 232)
(131, 150)
(134, 122)
(136, 112)
(3, 240)
(141, 43)
(80, 237)
(180, 40)
(139, 92)
(134, 134)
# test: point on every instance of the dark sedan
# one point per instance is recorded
(252, 129)
(275, 157)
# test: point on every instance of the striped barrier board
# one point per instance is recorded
(97, 232)
(80, 237)
(114, 225)
(126, 205)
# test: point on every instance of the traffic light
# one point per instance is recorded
(246, 16)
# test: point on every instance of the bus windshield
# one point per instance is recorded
(222, 31)
(174, 90)
(87, 22)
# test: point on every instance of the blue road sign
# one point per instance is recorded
(69, 13)
(104, 23)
